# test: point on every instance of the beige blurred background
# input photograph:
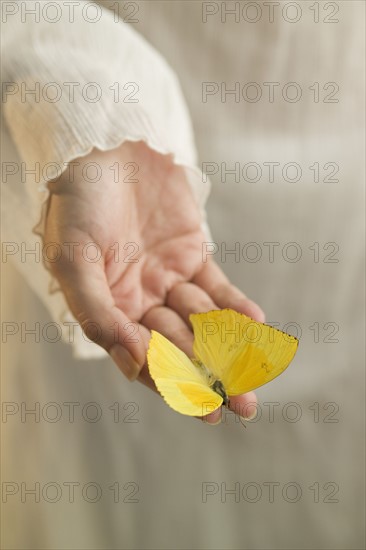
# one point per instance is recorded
(315, 465)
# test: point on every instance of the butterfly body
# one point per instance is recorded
(218, 387)
(233, 355)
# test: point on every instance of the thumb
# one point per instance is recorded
(89, 297)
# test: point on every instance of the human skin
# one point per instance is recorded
(169, 280)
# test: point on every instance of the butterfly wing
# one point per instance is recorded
(258, 362)
(241, 352)
(182, 384)
(217, 335)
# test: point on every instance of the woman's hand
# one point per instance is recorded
(149, 271)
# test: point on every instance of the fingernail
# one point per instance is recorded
(215, 423)
(218, 421)
(251, 415)
(125, 361)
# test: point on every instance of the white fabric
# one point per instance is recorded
(95, 85)
(170, 456)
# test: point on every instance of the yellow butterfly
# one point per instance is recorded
(233, 355)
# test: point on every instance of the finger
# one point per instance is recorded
(171, 325)
(213, 418)
(187, 298)
(89, 297)
(213, 281)
(226, 295)
(244, 405)
(145, 378)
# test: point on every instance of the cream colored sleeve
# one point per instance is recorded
(69, 86)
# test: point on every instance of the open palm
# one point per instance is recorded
(136, 260)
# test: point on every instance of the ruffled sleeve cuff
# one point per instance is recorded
(92, 86)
